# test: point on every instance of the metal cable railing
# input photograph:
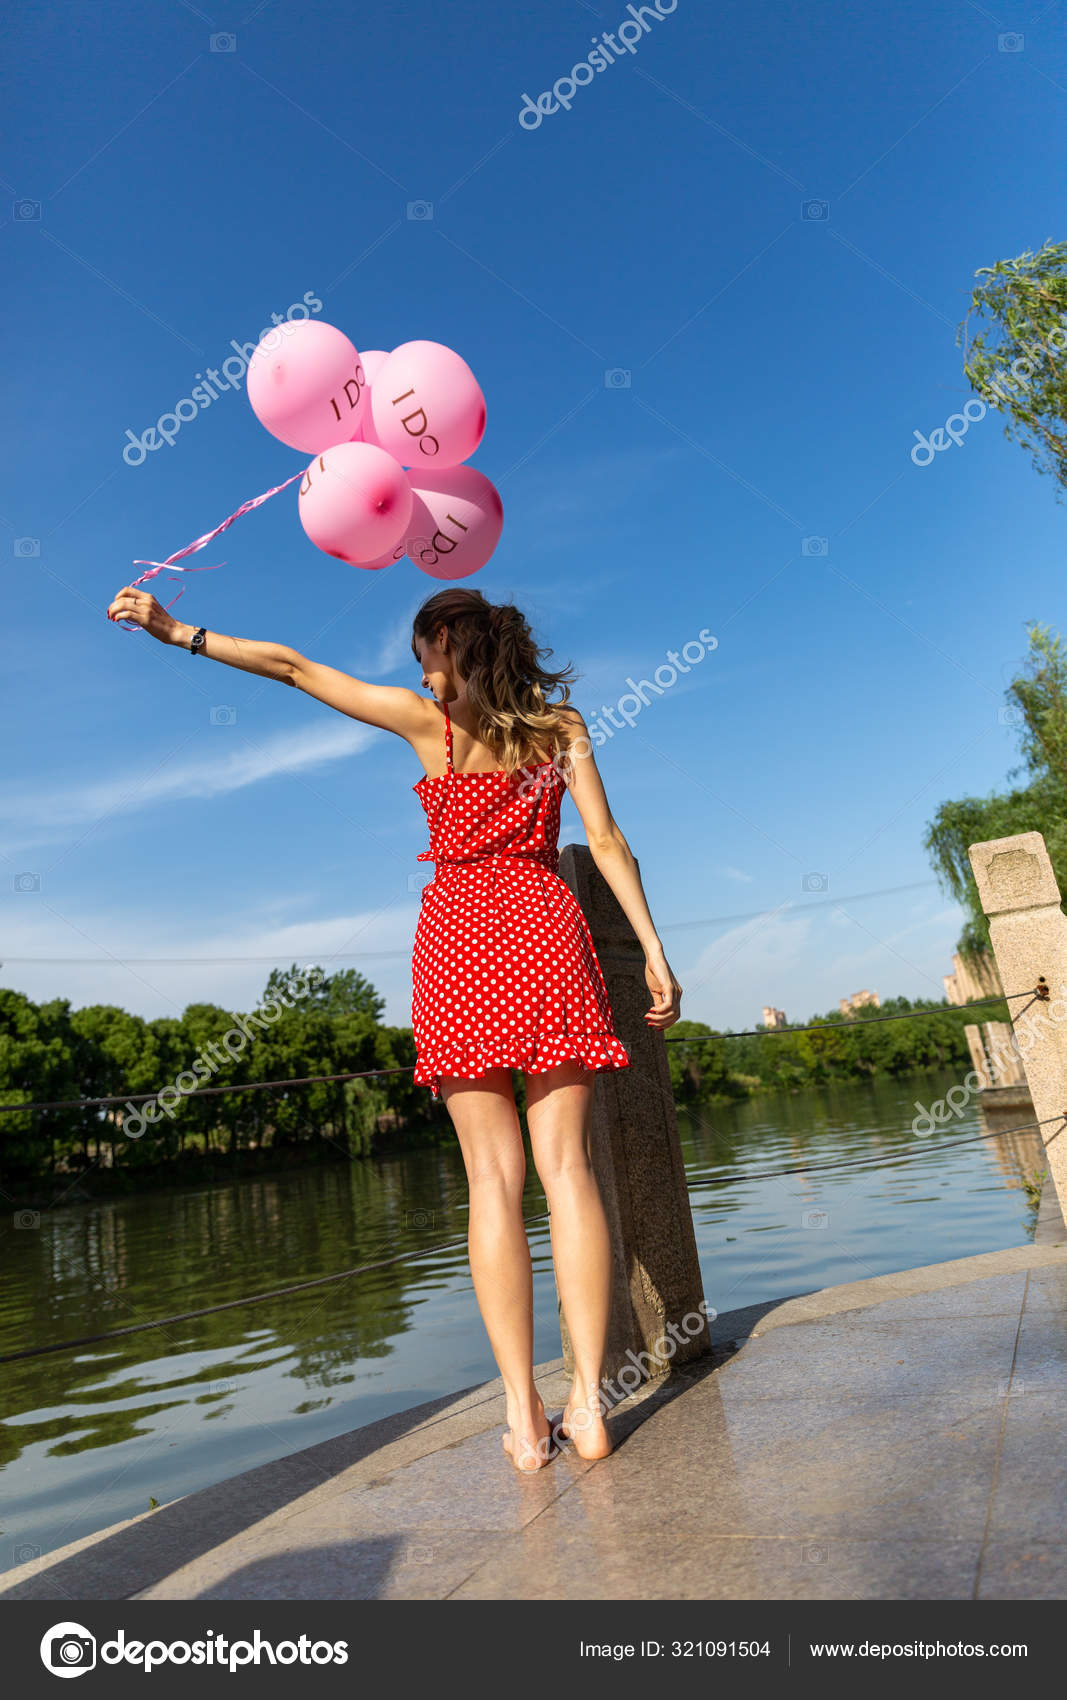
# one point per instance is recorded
(1038, 993)
(855, 1163)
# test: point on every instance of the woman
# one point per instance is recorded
(505, 974)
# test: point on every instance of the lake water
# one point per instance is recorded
(90, 1434)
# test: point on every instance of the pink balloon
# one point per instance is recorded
(355, 502)
(373, 360)
(307, 385)
(389, 559)
(426, 407)
(456, 521)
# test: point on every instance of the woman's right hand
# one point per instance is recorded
(665, 989)
(140, 608)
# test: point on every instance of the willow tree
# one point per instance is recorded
(1038, 698)
(1019, 365)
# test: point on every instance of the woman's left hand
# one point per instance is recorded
(665, 989)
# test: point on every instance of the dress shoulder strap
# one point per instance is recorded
(448, 735)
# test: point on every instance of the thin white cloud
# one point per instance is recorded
(798, 964)
(40, 815)
(394, 651)
(112, 940)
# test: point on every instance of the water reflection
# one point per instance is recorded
(88, 1436)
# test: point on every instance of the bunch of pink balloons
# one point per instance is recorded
(389, 433)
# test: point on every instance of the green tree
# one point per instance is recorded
(698, 1063)
(1038, 698)
(115, 1053)
(37, 1064)
(1021, 367)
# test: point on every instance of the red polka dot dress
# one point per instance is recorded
(504, 972)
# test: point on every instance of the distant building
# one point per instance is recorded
(773, 1017)
(973, 977)
(859, 1000)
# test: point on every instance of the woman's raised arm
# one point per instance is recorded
(392, 707)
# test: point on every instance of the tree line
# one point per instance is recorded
(708, 1066)
(50, 1052)
(332, 1025)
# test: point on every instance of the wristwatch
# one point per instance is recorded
(197, 641)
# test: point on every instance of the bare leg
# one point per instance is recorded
(558, 1106)
(487, 1125)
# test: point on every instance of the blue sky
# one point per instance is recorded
(685, 379)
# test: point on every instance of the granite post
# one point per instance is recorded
(657, 1296)
(973, 1036)
(1028, 929)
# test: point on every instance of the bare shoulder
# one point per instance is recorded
(572, 722)
(426, 717)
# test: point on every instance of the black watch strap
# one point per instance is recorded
(197, 642)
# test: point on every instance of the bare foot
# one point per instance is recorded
(529, 1442)
(584, 1425)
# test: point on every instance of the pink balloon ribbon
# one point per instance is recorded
(157, 567)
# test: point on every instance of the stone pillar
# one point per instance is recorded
(1018, 892)
(638, 1157)
(973, 1036)
(1006, 1061)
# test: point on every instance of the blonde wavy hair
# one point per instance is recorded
(506, 682)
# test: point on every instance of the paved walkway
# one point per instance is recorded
(898, 1438)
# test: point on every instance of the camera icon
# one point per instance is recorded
(417, 1555)
(815, 546)
(27, 1218)
(815, 1219)
(815, 210)
(815, 882)
(1010, 43)
(68, 1649)
(223, 714)
(223, 43)
(1010, 716)
(26, 209)
(1009, 1389)
(417, 549)
(420, 209)
(27, 548)
(25, 1554)
(419, 882)
(814, 1554)
(26, 882)
(229, 1386)
(420, 1218)
(616, 378)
